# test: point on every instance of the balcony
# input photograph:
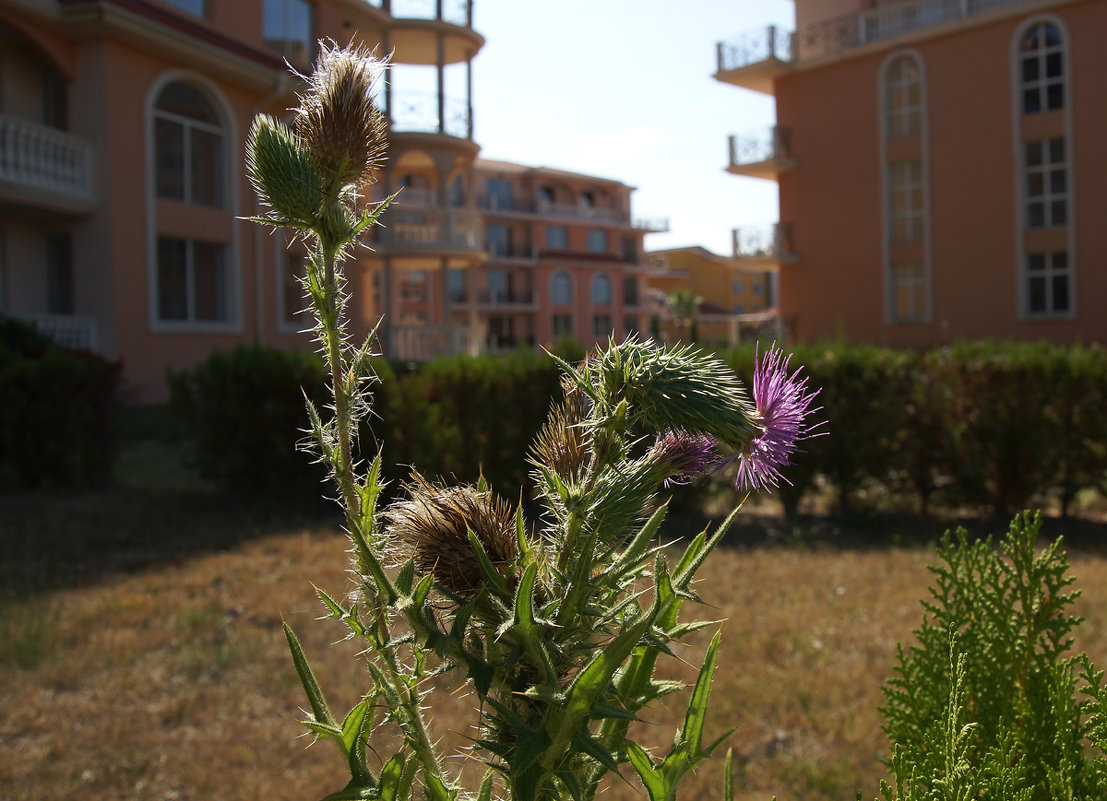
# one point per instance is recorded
(420, 343)
(42, 166)
(429, 230)
(764, 246)
(501, 298)
(652, 225)
(73, 333)
(764, 154)
(754, 60)
(428, 113)
(455, 12)
(522, 254)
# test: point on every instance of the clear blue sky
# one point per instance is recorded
(622, 89)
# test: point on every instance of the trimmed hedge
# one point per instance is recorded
(983, 425)
(57, 412)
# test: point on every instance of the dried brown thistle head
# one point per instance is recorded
(341, 129)
(562, 444)
(431, 525)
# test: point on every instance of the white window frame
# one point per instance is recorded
(1044, 170)
(906, 184)
(190, 283)
(1040, 57)
(561, 317)
(231, 255)
(916, 287)
(920, 216)
(605, 297)
(898, 78)
(188, 126)
(1047, 274)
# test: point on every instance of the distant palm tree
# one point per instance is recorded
(685, 309)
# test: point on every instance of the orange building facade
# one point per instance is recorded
(736, 297)
(940, 168)
(123, 190)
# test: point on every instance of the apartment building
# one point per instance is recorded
(940, 168)
(736, 296)
(562, 259)
(122, 185)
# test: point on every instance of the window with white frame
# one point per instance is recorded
(188, 147)
(909, 294)
(561, 326)
(1048, 284)
(597, 241)
(458, 285)
(602, 326)
(1047, 189)
(557, 237)
(197, 7)
(292, 299)
(286, 28)
(561, 289)
(601, 290)
(1042, 68)
(192, 282)
(906, 206)
(903, 97)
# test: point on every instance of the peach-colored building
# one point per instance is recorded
(123, 190)
(562, 258)
(940, 166)
(737, 300)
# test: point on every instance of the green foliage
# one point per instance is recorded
(57, 412)
(243, 411)
(986, 704)
(991, 425)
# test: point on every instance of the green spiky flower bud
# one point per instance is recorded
(282, 173)
(678, 388)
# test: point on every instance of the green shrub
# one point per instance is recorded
(57, 412)
(243, 411)
(987, 704)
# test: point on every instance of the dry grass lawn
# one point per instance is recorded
(173, 681)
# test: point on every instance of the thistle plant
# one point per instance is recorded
(557, 622)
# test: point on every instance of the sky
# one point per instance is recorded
(622, 89)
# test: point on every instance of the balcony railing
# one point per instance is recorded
(505, 297)
(38, 157)
(771, 146)
(655, 225)
(754, 47)
(770, 243)
(456, 12)
(74, 333)
(420, 343)
(415, 112)
(498, 250)
(430, 228)
(837, 34)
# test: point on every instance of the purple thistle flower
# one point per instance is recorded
(783, 404)
(686, 456)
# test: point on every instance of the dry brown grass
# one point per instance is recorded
(174, 682)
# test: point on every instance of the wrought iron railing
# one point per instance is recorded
(456, 12)
(754, 47)
(836, 34)
(773, 241)
(773, 143)
(656, 225)
(430, 227)
(37, 156)
(415, 112)
(506, 297)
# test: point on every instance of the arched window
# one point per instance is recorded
(601, 290)
(189, 147)
(561, 289)
(903, 103)
(1042, 68)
